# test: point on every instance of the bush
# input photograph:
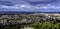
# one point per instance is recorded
(46, 25)
(37, 25)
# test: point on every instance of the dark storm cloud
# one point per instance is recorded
(30, 5)
(34, 2)
(7, 3)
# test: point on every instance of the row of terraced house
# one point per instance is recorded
(27, 18)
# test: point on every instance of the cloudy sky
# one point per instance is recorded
(30, 5)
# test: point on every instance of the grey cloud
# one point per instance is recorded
(22, 5)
